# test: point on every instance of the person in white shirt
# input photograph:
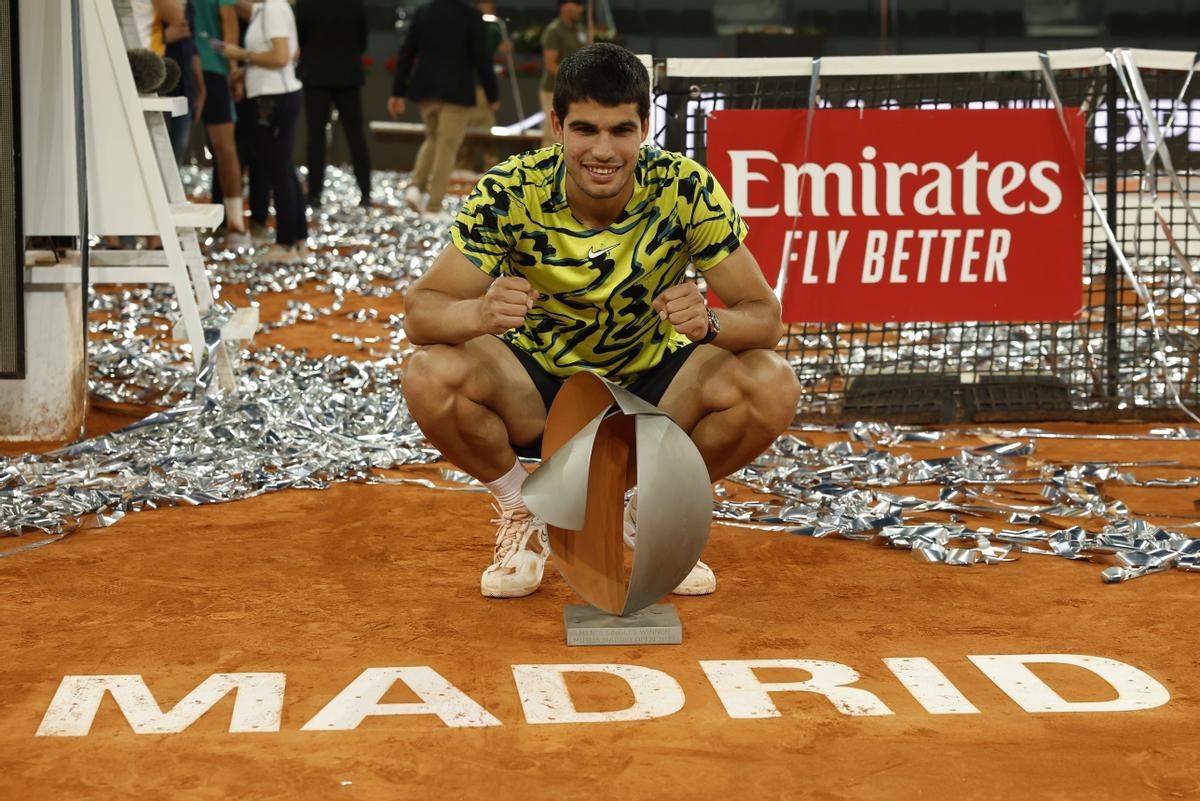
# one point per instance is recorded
(271, 48)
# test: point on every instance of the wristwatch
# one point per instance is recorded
(714, 328)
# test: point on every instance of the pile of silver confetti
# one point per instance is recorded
(299, 422)
(837, 491)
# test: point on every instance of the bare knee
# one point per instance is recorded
(770, 387)
(433, 375)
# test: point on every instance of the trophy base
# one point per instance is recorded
(655, 625)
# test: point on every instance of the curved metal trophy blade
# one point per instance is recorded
(632, 404)
(579, 489)
(557, 491)
(674, 510)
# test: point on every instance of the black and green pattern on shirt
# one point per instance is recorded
(597, 285)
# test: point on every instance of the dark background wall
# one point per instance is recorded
(730, 28)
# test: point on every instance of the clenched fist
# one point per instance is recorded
(683, 307)
(504, 305)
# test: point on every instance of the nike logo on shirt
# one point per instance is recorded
(592, 255)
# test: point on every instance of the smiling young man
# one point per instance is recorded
(572, 258)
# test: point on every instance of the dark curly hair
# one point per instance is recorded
(605, 73)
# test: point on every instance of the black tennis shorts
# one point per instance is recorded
(218, 100)
(650, 385)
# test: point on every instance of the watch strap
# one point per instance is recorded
(714, 328)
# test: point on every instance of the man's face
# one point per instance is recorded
(600, 145)
(571, 12)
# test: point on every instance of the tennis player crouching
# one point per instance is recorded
(572, 258)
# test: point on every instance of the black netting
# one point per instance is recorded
(1107, 364)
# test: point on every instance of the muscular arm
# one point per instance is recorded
(752, 317)
(454, 301)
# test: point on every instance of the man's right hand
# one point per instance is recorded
(395, 107)
(504, 305)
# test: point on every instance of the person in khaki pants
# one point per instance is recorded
(444, 53)
(562, 37)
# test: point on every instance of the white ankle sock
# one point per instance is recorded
(234, 214)
(507, 488)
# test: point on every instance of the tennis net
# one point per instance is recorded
(1132, 351)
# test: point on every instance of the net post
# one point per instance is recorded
(1112, 274)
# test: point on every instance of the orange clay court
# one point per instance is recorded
(320, 587)
(261, 586)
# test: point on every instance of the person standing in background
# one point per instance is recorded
(484, 117)
(333, 38)
(181, 47)
(270, 53)
(444, 53)
(216, 28)
(562, 37)
(153, 18)
(258, 197)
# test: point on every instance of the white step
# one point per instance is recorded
(197, 215)
(175, 106)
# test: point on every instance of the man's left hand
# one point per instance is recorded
(683, 307)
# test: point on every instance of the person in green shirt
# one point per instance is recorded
(562, 37)
(216, 27)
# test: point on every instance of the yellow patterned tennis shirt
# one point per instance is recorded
(597, 285)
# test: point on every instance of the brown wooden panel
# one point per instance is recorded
(581, 398)
(593, 560)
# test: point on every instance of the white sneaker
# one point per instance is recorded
(259, 233)
(701, 581)
(516, 569)
(414, 198)
(280, 254)
(238, 240)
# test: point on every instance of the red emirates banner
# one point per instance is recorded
(910, 215)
